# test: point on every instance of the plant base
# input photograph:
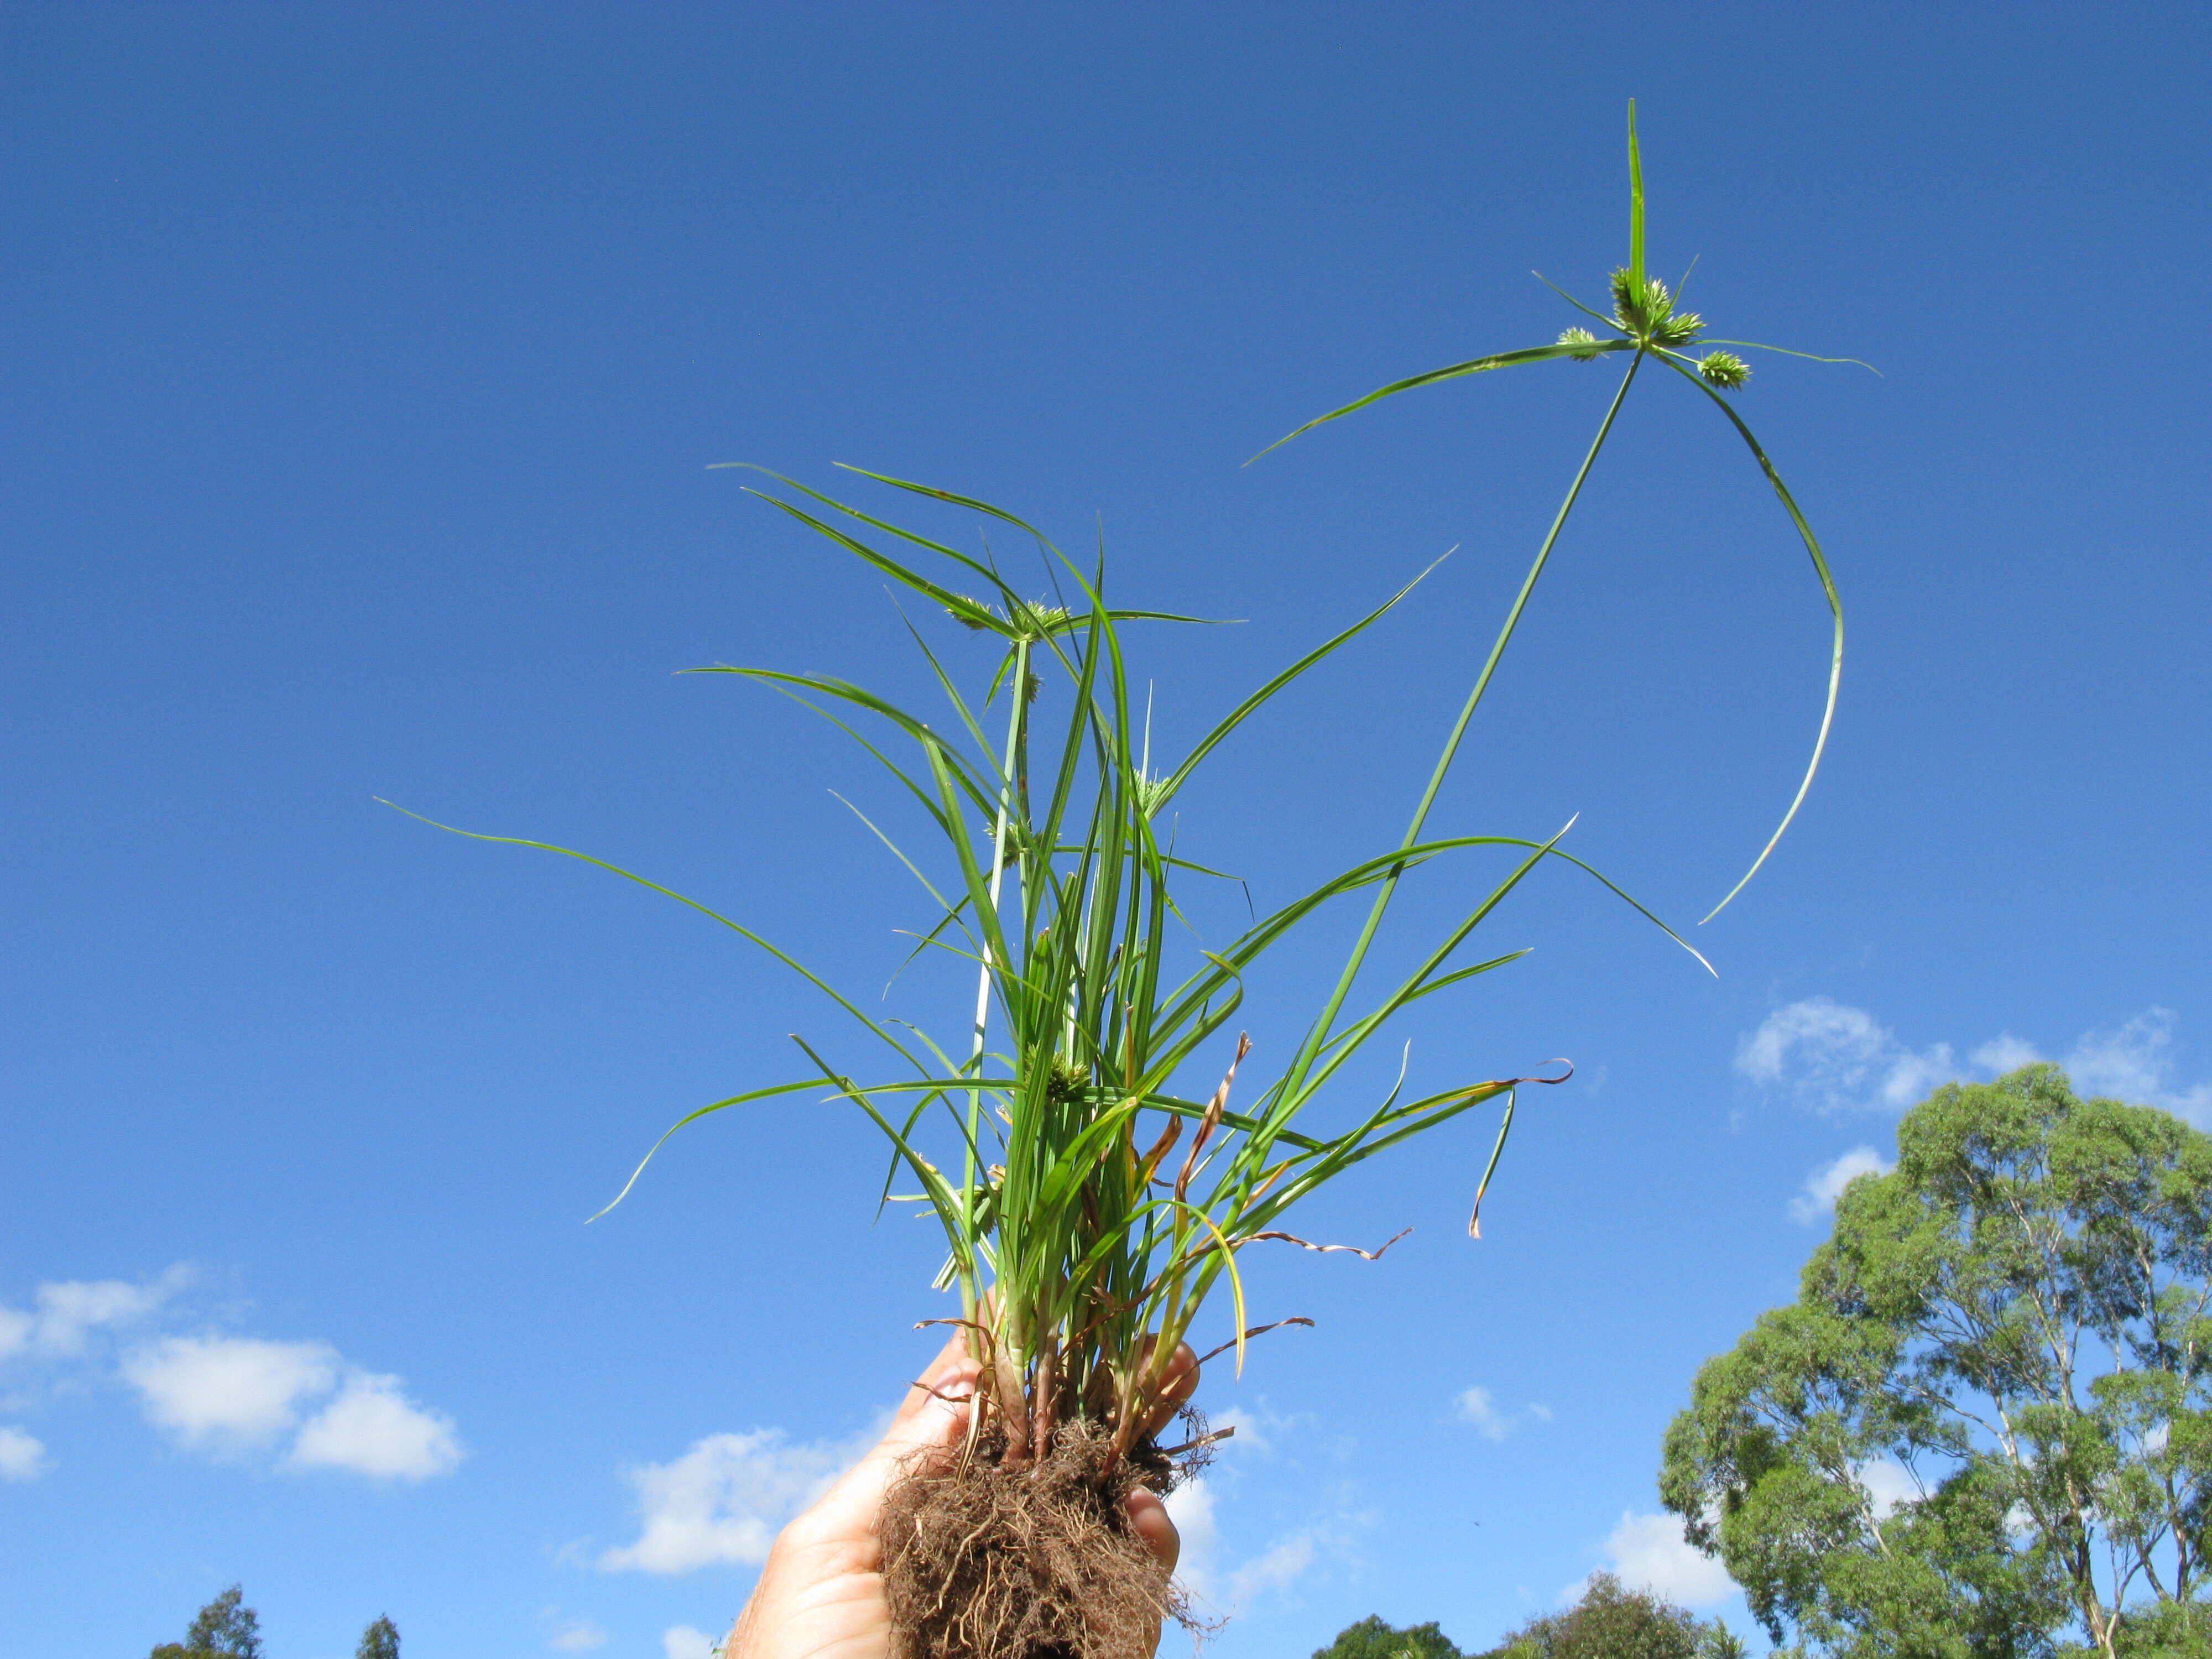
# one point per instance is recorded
(1037, 1562)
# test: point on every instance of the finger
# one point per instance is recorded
(1177, 1384)
(933, 1377)
(1149, 1519)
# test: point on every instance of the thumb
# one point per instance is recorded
(932, 1418)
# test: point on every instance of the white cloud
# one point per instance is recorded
(1479, 1408)
(1257, 1427)
(1819, 1026)
(1474, 1406)
(232, 1393)
(574, 1635)
(1190, 1506)
(1648, 1551)
(1830, 1056)
(2135, 1062)
(725, 1500)
(2005, 1053)
(227, 1395)
(681, 1641)
(21, 1456)
(68, 1312)
(1833, 1056)
(1825, 1184)
(229, 1391)
(1281, 1564)
(1231, 1589)
(1887, 1484)
(371, 1428)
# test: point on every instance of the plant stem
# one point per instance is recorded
(969, 1188)
(1319, 1033)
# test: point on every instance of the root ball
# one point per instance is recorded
(1035, 1562)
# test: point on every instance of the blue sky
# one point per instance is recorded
(364, 366)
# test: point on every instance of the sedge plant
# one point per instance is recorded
(1091, 1202)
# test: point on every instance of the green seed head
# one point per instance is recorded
(1724, 369)
(963, 618)
(1032, 619)
(1067, 1080)
(1678, 329)
(1579, 337)
(1639, 311)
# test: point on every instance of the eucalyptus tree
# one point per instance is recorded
(1612, 1621)
(226, 1628)
(1984, 1427)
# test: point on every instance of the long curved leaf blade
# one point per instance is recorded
(746, 1098)
(981, 567)
(954, 497)
(1472, 366)
(981, 618)
(1835, 607)
(1809, 357)
(1243, 710)
(739, 928)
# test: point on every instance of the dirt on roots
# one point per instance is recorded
(1035, 1562)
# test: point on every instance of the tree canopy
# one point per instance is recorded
(1982, 1429)
(225, 1629)
(1371, 1638)
(1613, 1622)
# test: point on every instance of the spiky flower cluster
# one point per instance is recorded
(1723, 370)
(1034, 618)
(1649, 314)
(1580, 336)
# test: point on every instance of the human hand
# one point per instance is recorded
(821, 1592)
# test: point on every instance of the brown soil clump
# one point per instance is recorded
(1035, 1562)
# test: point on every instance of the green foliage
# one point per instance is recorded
(1373, 1638)
(1645, 323)
(1092, 1194)
(225, 1629)
(1611, 1622)
(380, 1641)
(2166, 1630)
(2014, 1327)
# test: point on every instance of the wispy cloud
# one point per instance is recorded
(2135, 1061)
(1829, 1056)
(681, 1641)
(564, 1634)
(1825, 1184)
(1227, 1588)
(2005, 1053)
(1479, 1408)
(66, 1316)
(22, 1456)
(1832, 1057)
(724, 1501)
(1259, 1428)
(1474, 1406)
(1281, 1565)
